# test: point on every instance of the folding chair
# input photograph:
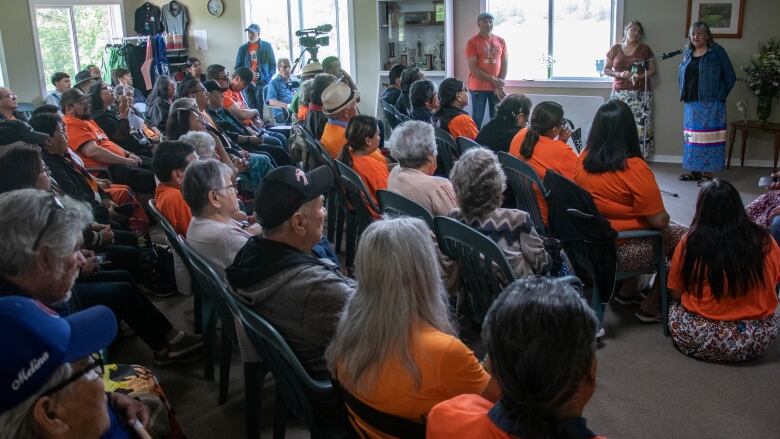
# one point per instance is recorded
(397, 205)
(522, 179)
(447, 152)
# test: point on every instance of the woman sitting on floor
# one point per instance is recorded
(361, 154)
(543, 394)
(625, 192)
(479, 184)
(725, 272)
(395, 349)
(543, 146)
(453, 97)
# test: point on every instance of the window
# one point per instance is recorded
(562, 39)
(279, 24)
(73, 36)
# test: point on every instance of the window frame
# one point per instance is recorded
(603, 82)
(347, 64)
(34, 4)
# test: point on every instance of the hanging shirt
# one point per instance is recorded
(174, 18)
(147, 19)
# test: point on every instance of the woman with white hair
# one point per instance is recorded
(413, 144)
(210, 193)
(395, 348)
(479, 184)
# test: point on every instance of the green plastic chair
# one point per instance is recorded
(484, 270)
(522, 179)
(293, 382)
(395, 204)
(446, 152)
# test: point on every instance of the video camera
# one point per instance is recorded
(311, 39)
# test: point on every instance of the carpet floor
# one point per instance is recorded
(645, 387)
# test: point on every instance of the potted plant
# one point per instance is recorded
(762, 76)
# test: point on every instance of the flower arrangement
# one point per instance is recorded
(762, 75)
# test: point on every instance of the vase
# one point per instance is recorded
(764, 108)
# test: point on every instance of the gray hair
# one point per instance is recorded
(17, 422)
(398, 286)
(202, 142)
(306, 92)
(479, 182)
(182, 103)
(412, 142)
(25, 213)
(200, 178)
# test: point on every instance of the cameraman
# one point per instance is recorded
(258, 56)
(279, 92)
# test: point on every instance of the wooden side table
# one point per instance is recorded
(746, 127)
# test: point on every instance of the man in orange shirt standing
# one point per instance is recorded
(488, 61)
(92, 144)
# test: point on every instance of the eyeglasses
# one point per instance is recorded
(12, 96)
(54, 207)
(233, 186)
(96, 364)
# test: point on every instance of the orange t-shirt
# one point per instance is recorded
(303, 110)
(373, 172)
(463, 125)
(447, 368)
(548, 154)
(758, 303)
(171, 204)
(252, 50)
(333, 139)
(83, 131)
(465, 416)
(489, 53)
(230, 97)
(624, 197)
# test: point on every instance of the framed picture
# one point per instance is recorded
(724, 17)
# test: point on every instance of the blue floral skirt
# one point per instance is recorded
(720, 341)
(704, 133)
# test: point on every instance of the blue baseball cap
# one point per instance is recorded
(36, 341)
(253, 28)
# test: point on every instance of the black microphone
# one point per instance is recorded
(666, 55)
(324, 28)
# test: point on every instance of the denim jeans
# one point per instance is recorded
(273, 138)
(478, 100)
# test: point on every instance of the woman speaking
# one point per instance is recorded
(706, 77)
(626, 63)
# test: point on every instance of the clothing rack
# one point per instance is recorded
(123, 39)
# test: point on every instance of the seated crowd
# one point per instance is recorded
(76, 182)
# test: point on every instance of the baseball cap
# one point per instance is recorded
(37, 342)
(285, 189)
(212, 85)
(16, 130)
(485, 15)
(253, 28)
(84, 75)
(337, 96)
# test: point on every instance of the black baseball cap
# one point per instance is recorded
(212, 85)
(16, 130)
(285, 189)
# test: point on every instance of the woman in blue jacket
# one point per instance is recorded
(706, 77)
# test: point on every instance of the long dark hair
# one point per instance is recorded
(409, 76)
(448, 91)
(178, 123)
(20, 168)
(546, 116)
(95, 98)
(512, 105)
(359, 128)
(613, 138)
(160, 89)
(723, 246)
(540, 336)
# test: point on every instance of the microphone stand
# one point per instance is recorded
(644, 64)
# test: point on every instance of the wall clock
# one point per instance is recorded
(215, 7)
